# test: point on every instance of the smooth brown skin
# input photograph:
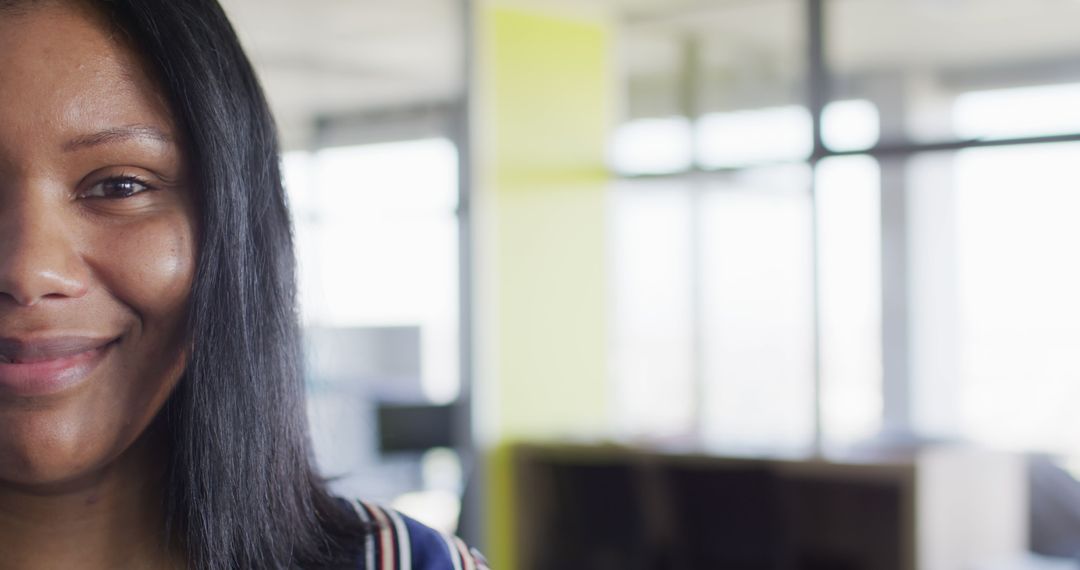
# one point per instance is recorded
(80, 474)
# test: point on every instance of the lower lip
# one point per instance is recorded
(49, 377)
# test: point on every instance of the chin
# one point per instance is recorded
(51, 450)
(69, 440)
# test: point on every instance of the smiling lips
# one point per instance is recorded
(48, 366)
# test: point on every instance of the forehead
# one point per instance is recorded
(65, 71)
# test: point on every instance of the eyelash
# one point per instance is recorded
(115, 180)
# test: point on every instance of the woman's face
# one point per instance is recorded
(97, 246)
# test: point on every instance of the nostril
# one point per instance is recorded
(28, 285)
(39, 251)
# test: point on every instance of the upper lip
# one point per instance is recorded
(16, 350)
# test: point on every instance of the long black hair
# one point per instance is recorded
(241, 492)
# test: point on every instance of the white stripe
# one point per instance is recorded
(455, 557)
(478, 559)
(404, 540)
(369, 538)
(470, 564)
(386, 537)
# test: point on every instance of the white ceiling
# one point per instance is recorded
(327, 57)
(864, 34)
(936, 33)
(332, 57)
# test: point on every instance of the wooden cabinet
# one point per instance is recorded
(599, 508)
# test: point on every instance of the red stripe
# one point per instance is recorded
(387, 551)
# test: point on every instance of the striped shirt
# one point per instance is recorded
(400, 543)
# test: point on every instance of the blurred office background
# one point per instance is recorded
(769, 264)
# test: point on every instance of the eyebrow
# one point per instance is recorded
(118, 135)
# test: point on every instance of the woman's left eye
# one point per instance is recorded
(118, 187)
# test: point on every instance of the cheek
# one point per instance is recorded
(149, 267)
(142, 276)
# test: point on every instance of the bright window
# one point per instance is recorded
(653, 146)
(1018, 287)
(652, 355)
(757, 350)
(849, 245)
(377, 247)
(745, 138)
(377, 241)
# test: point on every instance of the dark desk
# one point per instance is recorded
(599, 508)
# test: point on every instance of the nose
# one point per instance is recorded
(38, 259)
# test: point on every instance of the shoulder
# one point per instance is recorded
(397, 542)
